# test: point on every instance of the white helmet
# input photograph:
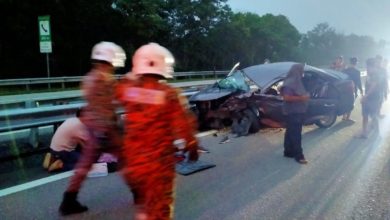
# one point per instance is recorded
(153, 58)
(109, 52)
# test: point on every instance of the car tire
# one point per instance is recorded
(254, 119)
(329, 120)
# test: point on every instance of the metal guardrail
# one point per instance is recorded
(16, 119)
(27, 82)
(64, 97)
(33, 81)
(33, 118)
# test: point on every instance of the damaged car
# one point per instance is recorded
(250, 97)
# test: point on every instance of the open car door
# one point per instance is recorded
(270, 104)
(322, 108)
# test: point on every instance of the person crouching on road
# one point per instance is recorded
(99, 117)
(295, 102)
(66, 144)
(154, 118)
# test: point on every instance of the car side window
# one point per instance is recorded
(275, 88)
(315, 85)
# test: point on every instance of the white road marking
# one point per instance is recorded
(206, 133)
(35, 183)
(39, 182)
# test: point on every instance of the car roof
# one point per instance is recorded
(265, 73)
(336, 74)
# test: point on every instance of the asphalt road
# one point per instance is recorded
(346, 178)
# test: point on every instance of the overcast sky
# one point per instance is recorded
(362, 17)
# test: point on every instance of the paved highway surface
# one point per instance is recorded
(346, 178)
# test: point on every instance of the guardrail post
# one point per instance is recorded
(33, 138)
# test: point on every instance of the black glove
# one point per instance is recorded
(193, 155)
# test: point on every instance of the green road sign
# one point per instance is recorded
(44, 34)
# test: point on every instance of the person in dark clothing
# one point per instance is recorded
(371, 101)
(98, 116)
(353, 74)
(295, 102)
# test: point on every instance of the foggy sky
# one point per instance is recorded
(362, 17)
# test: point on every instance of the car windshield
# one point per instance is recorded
(236, 81)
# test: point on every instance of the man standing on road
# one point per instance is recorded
(295, 102)
(382, 71)
(98, 116)
(154, 118)
(371, 101)
(354, 74)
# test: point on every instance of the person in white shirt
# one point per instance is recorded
(66, 144)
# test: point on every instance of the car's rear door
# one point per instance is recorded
(345, 95)
(319, 107)
(270, 102)
(342, 89)
(270, 106)
(320, 102)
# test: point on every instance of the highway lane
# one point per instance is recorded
(26, 168)
(346, 178)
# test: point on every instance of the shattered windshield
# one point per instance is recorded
(235, 81)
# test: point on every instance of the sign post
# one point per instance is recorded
(45, 40)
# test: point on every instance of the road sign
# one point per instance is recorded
(44, 34)
(45, 39)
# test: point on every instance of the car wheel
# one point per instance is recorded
(254, 120)
(327, 120)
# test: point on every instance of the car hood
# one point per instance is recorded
(263, 74)
(210, 93)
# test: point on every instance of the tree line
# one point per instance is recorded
(202, 35)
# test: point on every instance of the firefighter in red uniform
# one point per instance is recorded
(154, 118)
(99, 116)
